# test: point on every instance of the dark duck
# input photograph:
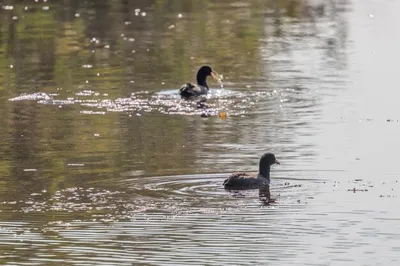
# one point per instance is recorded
(189, 90)
(242, 180)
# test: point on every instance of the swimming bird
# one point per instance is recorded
(243, 180)
(190, 90)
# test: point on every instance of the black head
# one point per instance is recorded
(266, 161)
(202, 74)
(205, 71)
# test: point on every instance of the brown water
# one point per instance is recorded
(101, 163)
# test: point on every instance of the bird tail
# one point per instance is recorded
(185, 90)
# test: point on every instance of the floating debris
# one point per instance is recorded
(354, 190)
(222, 115)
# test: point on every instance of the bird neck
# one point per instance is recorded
(264, 171)
(201, 80)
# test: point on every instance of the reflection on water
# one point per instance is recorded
(103, 164)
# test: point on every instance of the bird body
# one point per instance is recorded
(190, 90)
(243, 180)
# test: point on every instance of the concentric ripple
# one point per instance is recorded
(179, 192)
(185, 215)
(163, 194)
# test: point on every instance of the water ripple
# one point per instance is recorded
(234, 103)
(157, 217)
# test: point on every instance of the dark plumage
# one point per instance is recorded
(190, 90)
(244, 180)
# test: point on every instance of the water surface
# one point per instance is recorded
(101, 163)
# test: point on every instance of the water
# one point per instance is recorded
(103, 164)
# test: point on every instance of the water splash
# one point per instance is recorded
(219, 78)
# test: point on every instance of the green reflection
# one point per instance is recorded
(109, 47)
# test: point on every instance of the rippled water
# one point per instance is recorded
(103, 164)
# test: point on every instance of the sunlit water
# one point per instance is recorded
(103, 164)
